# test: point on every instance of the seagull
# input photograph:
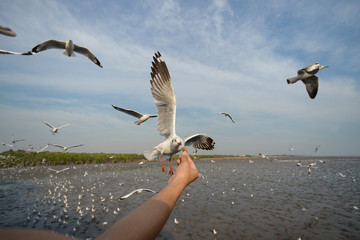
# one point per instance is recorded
(308, 77)
(142, 117)
(69, 47)
(227, 115)
(317, 148)
(137, 191)
(14, 141)
(309, 168)
(263, 156)
(291, 148)
(299, 164)
(55, 129)
(65, 148)
(165, 100)
(7, 31)
(176, 221)
(58, 171)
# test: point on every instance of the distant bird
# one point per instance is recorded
(65, 148)
(165, 100)
(7, 31)
(302, 207)
(55, 129)
(317, 148)
(13, 141)
(142, 117)
(227, 115)
(291, 148)
(299, 164)
(58, 171)
(69, 47)
(311, 165)
(308, 77)
(263, 156)
(137, 191)
(176, 221)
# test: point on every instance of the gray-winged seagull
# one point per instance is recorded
(64, 147)
(308, 77)
(137, 191)
(142, 117)
(55, 129)
(227, 115)
(165, 100)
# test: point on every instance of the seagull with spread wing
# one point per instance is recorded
(165, 100)
(69, 47)
(227, 115)
(308, 77)
(55, 129)
(137, 191)
(64, 147)
(142, 117)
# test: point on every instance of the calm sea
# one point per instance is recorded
(239, 199)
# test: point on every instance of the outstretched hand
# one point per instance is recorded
(186, 171)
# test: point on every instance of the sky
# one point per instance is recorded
(223, 56)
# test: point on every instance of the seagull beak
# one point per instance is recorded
(179, 143)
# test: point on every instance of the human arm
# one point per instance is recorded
(147, 220)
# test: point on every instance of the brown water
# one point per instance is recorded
(240, 200)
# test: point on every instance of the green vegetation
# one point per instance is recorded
(21, 158)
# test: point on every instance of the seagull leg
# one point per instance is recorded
(171, 172)
(162, 164)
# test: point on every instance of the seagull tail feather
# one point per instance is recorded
(151, 154)
(292, 80)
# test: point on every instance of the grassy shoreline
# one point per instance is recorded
(22, 158)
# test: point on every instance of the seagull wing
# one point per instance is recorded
(129, 194)
(56, 145)
(129, 111)
(227, 115)
(86, 52)
(49, 44)
(43, 148)
(200, 141)
(9, 52)
(79, 145)
(149, 190)
(164, 96)
(312, 85)
(64, 125)
(7, 31)
(48, 124)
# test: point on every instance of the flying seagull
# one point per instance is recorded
(69, 47)
(7, 145)
(308, 77)
(317, 148)
(142, 117)
(291, 148)
(165, 100)
(58, 171)
(227, 115)
(55, 129)
(65, 148)
(137, 191)
(7, 31)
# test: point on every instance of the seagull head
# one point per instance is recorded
(177, 143)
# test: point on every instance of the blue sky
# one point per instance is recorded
(232, 56)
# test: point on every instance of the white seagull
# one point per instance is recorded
(263, 156)
(65, 148)
(308, 77)
(227, 115)
(137, 191)
(317, 148)
(142, 117)
(69, 47)
(291, 148)
(165, 100)
(55, 129)
(58, 171)
(311, 165)
(7, 31)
